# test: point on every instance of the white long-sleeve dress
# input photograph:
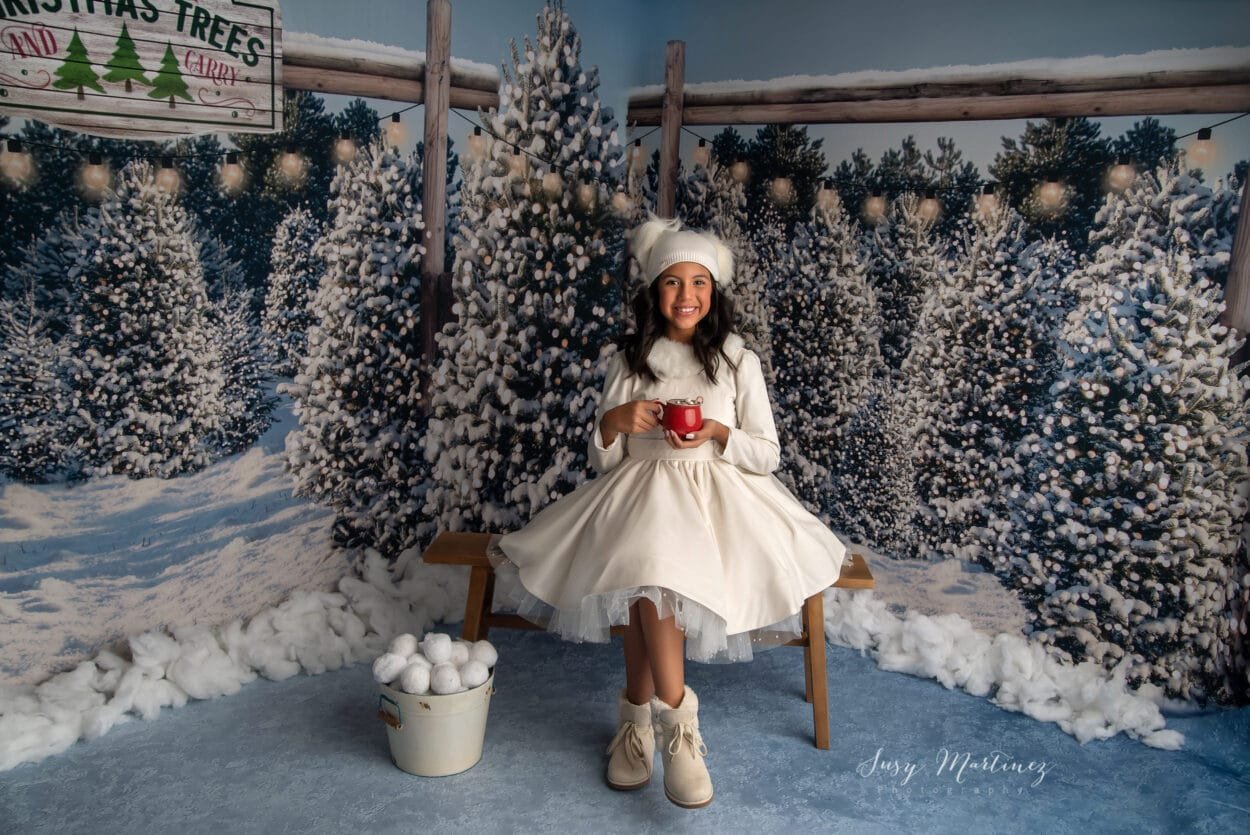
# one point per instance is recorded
(707, 534)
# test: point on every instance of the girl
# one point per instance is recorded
(682, 539)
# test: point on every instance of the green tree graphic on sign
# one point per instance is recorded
(168, 81)
(76, 72)
(124, 65)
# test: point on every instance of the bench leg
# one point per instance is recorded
(477, 603)
(814, 662)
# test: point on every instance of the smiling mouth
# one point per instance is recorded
(686, 311)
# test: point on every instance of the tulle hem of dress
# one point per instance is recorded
(706, 639)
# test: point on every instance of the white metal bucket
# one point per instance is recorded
(432, 735)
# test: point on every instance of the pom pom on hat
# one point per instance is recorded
(659, 243)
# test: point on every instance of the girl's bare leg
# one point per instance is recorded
(639, 686)
(664, 652)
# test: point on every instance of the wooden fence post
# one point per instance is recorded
(670, 130)
(434, 177)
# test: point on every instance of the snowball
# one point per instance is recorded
(460, 653)
(444, 679)
(388, 667)
(415, 679)
(405, 645)
(473, 674)
(418, 658)
(484, 651)
(437, 647)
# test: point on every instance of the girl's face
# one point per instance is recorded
(685, 298)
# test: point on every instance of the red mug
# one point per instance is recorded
(683, 416)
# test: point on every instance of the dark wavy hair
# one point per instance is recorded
(709, 335)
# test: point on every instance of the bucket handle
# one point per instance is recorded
(395, 721)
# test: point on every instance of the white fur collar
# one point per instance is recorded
(674, 360)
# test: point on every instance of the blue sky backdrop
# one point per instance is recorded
(754, 40)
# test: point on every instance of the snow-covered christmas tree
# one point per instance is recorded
(33, 395)
(1129, 517)
(826, 335)
(297, 271)
(907, 263)
(358, 391)
(144, 369)
(873, 482)
(521, 366)
(981, 356)
(248, 405)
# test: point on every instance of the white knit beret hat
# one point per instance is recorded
(660, 243)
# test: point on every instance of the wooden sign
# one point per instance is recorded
(143, 69)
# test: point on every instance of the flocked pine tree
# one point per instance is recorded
(981, 357)
(358, 394)
(826, 335)
(521, 366)
(297, 270)
(906, 264)
(144, 369)
(1130, 514)
(33, 399)
(249, 405)
(873, 482)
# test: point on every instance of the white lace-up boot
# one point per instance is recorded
(632, 750)
(686, 781)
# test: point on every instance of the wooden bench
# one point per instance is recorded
(469, 549)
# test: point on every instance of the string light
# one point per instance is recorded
(622, 203)
(518, 164)
(1052, 194)
(874, 207)
(987, 201)
(587, 194)
(17, 164)
(781, 190)
(477, 144)
(703, 154)
(1122, 174)
(95, 175)
(167, 177)
(395, 131)
(635, 156)
(827, 196)
(740, 171)
(292, 166)
(553, 184)
(345, 149)
(232, 176)
(930, 208)
(1202, 151)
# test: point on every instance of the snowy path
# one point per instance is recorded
(116, 557)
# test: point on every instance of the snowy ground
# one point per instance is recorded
(153, 580)
(84, 566)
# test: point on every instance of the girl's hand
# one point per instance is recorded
(711, 429)
(634, 417)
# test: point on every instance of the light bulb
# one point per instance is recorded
(874, 207)
(232, 175)
(703, 154)
(622, 204)
(553, 183)
(96, 175)
(740, 171)
(635, 155)
(16, 164)
(292, 166)
(587, 195)
(781, 190)
(1052, 194)
(477, 144)
(518, 165)
(987, 200)
(930, 208)
(827, 197)
(1122, 174)
(167, 177)
(345, 149)
(395, 132)
(1202, 151)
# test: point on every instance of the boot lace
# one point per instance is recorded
(627, 735)
(687, 733)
